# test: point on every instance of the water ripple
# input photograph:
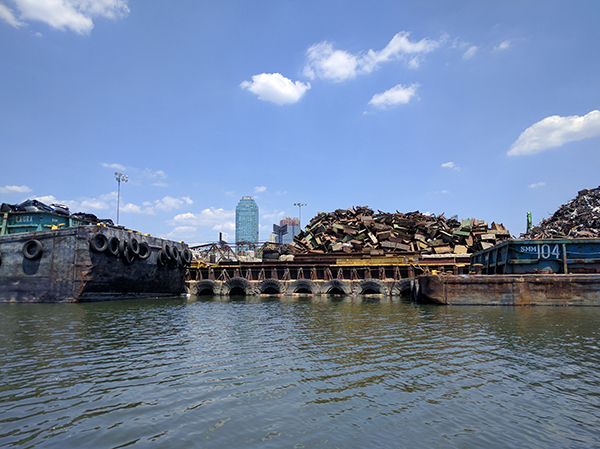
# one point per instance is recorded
(178, 373)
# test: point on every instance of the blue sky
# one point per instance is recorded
(476, 109)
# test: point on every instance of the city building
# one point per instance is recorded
(246, 222)
(293, 229)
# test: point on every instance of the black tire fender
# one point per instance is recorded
(113, 246)
(206, 287)
(161, 258)
(144, 251)
(374, 285)
(186, 254)
(33, 249)
(270, 284)
(303, 285)
(134, 246)
(127, 255)
(99, 243)
(238, 282)
(168, 252)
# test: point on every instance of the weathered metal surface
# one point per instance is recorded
(543, 255)
(69, 270)
(510, 290)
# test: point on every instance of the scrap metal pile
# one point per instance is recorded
(579, 218)
(360, 230)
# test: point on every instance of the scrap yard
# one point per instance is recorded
(428, 258)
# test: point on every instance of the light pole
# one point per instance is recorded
(119, 177)
(300, 212)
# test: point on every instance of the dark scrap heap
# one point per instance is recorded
(360, 230)
(579, 218)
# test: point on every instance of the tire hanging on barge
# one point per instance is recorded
(99, 243)
(33, 249)
(371, 287)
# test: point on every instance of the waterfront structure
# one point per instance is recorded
(50, 255)
(246, 222)
(293, 229)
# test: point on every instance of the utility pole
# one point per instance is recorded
(300, 212)
(119, 177)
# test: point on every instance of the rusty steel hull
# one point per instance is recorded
(510, 290)
(71, 269)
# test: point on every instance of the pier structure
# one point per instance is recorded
(320, 275)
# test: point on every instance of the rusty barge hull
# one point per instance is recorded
(510, 290)
(73, 265)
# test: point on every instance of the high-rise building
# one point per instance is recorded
(246, 221)
(293, 229)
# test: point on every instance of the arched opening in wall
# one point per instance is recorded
(336, 291)
(237, 291)
(206, 287)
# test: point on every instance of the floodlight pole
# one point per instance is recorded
(300, 212)
(119, 177)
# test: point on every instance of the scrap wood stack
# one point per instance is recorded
(579, 218)
(360, 230)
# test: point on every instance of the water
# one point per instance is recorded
(178, 373)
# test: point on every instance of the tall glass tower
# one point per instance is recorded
(246, 221)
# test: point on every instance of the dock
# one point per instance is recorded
(323, 275)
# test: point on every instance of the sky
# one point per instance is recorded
(475, 108)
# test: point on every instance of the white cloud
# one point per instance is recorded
(15, 189)
(182, 232)
(555, 131)
(259, 189)
(470, 52)
(169, 203)
(396, 95)
(276, 88)
(450, 165)
(7, 15)
(217, 219)
(536, 185)
(399, 45)
(75, 15)
(153, 174)
(503, 46)
(114, 166)
(325, 62)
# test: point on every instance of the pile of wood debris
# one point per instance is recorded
(360, 230)
(579, 218)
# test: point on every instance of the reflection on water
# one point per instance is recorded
(297, 372)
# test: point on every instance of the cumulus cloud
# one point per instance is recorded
(276, 88)
(326, 62)
(169, 203)
(15, 189)
(555, 131)
(450, 165)
(216, 219)
(76, 15)
(259, 189)
(396, 95)
(536, 185)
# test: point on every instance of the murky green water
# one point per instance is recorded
(178, 373)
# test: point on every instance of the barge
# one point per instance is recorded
(561, 272)
(47, 255)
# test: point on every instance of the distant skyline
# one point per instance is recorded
(476, 109)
